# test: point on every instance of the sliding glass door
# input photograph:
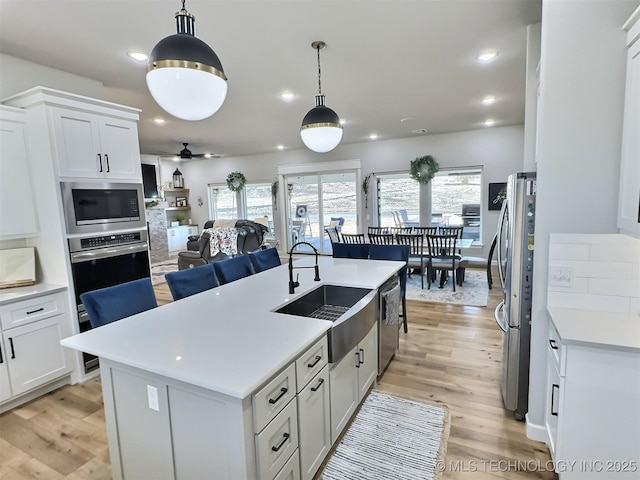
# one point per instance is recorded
(314, 201)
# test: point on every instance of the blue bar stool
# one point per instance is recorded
(109, 304)
(265, 259)
(233, 269)
(351, 250)
(190, 281)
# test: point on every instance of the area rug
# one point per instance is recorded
(474, 291)
(158, 270)
(391, 438)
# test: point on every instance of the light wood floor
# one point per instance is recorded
(451, 356)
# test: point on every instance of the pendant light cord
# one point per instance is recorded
(319, 82)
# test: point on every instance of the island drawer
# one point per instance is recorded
(311, 362)
(277, 442)
(31, 310)
(270, 399)
(555, 346)
(291, 469)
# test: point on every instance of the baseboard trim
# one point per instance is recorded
(534, 431)
(33, 394)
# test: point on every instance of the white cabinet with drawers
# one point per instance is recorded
(31, 352)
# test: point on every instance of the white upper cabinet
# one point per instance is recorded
(629, 199)
(95, 146)
(17, 212)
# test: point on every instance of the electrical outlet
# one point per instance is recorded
(560, 276)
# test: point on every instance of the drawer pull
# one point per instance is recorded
(553, 390)
(320, 382)
(553, 344)
(283, 390)
(107, 159)
(13, 353)
(315, 362)
(285, 437)
(361, 356)
(1, 359)
(100, 160)
(36, 310)
(358, 362)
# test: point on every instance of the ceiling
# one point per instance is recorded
(390, 66)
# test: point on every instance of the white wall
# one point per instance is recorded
(531, 96)
(582, 76)
(17, 75)
(498, 150)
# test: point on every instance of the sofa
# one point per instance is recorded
(222, 239)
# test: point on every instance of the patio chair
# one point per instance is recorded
(404, 219)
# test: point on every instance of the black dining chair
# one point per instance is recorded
(416, 254)
(457, 231)
(425, 231)
(398, 253)
(353, 238)
(114, 303)
(442, 257)
(378, 230)
(187, 282)
(381, 238)
(333, 234)
(351, 250)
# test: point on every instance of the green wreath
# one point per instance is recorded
(236, 181)
(424, 168)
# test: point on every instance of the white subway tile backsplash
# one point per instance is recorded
(605, 286)
(581, 301)
(593, 238)
(619, 253)
(634, 305)
(617, 270)
(635, 270)
(568, 252)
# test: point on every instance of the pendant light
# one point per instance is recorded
(321, 130)
(184, 75)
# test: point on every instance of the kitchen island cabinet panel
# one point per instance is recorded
(314, 420)
(5, 384)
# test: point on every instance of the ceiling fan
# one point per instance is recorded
(186, 154)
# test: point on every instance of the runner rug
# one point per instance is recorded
(474, 290)
(391, 438)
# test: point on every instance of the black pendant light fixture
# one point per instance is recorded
(321, 130)
(184, 75)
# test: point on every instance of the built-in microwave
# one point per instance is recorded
(93, 207)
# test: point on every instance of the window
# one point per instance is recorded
(456, 200)
(258, 202)
(397, 191)
(223, 203)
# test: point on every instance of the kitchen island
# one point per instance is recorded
(214, 385)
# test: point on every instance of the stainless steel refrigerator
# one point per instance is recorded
(514, 251)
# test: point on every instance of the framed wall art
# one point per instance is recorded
(497, 194)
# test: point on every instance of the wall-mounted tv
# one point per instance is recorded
(149, 184)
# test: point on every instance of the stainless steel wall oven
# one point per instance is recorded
(104, 261)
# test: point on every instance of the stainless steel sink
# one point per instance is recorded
(352, 310)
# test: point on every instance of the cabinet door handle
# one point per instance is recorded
(553, 344)
(100, 160)
(107, 159)
(313, 389)
(36, 310)
(1, 359)
(13, 353)
(285, 437)
(553, 390)
(283, 390)
(361, 357)
(358, 362)
(315, 362)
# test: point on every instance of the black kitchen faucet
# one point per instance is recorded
(294, 284)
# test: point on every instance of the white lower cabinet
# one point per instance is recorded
(177, 237)
(314, 423)
(350, 379)
(593, 410)
(31, 352)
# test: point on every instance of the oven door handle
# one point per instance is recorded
(78, 257)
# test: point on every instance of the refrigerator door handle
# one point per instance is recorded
(503, 212)
(500, 323)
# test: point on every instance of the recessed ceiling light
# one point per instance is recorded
(287, 95)
(280, 147)
(408, 119)
(489, 99)
(373, 136)
(489, 122)
(159, 120)
(138, 56)
(487, 55)
(419, 131)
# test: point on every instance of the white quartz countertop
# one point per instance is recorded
(10, 295)
(590, 327)
(228, 339)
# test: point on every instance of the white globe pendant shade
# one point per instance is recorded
(184, 75)
(185, 93)
(321, 139)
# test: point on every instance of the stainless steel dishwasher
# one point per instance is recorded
(387, 327)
